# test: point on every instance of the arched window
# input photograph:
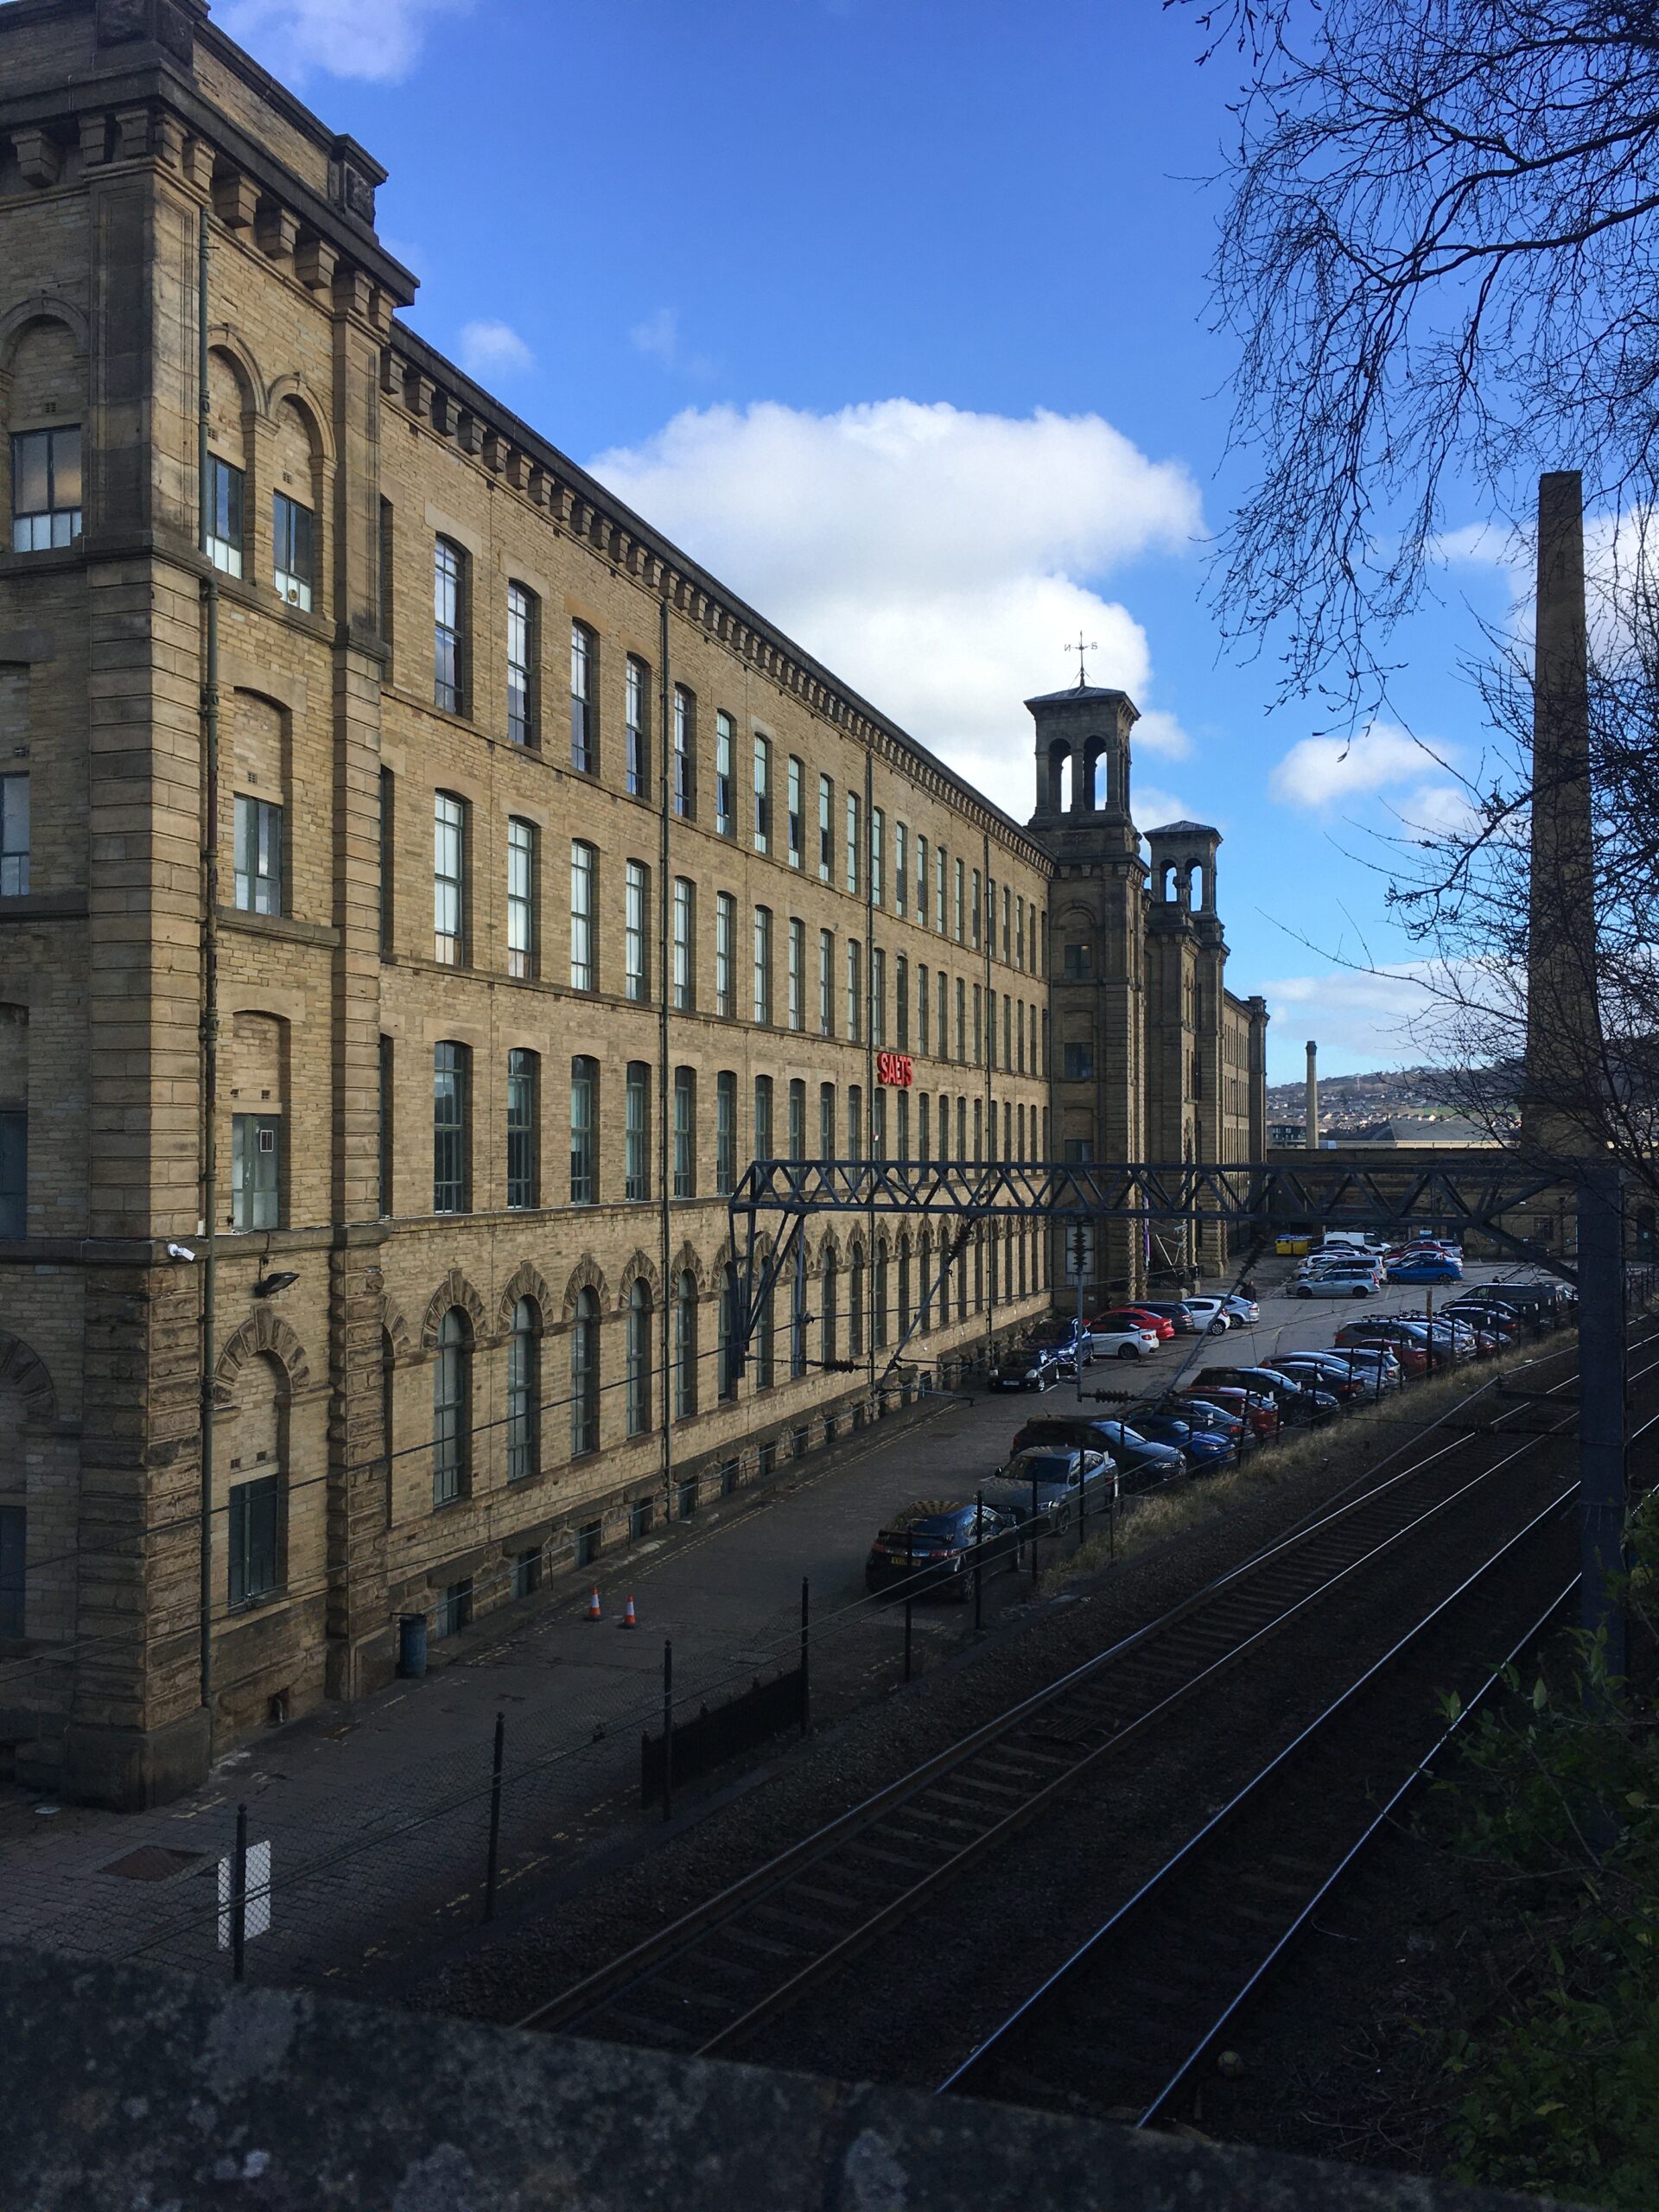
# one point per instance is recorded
(255, 1455)
(452, 1401)
(797, 1318)
(878, 1298)
(926, 1273)
(525, 1391)
(637, 1380)
(855, 1303)
(904, 1285)
(685, 1346)
(728, 1330)
(584, 1374)
(830, 1325)
(388, 1426)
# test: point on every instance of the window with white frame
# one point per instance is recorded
(795, 838)
(725, 796)
(256, 1170)
(523, 653)
(763, 963)
(225, 488)
(900, 869)
(686, 944)
(258, 828)
(636, 931)
(853, 837)
(293, 555)
(636, 1131)
(636, 728)
(878, 997)
(523, 1163)
(725, 954)
(521, 896)
(448, 614)
(762, 794)
(826, 983)
(584, 733)
(46, 488)
(584, 867)
(685, 1132)
(686, 754)
(725, 1132)
(584, 1130)
(826, 829)
(921, 881)
(854, 991)
(796, 973)
(878, 841)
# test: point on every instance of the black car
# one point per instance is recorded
(933, 1541)
(1295, 1401)
(1137, 1458)
(1060, 1336)
(1185, 1324)
(1025, 1367)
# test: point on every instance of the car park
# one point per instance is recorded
(929, 1546)
(1024, 1367)
(1049, 1481)
(1131, 1342)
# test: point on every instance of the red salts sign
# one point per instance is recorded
(895, 1070)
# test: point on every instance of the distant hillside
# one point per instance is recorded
(1348, 1101)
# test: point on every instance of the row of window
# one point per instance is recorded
(948, 895)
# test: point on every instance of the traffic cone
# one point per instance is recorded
(593, 1607)
(628, 1619)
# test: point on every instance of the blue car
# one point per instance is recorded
(1426, 1271)
(1204, 1447)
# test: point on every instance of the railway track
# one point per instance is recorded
(1122, 2029)
(708, 1981)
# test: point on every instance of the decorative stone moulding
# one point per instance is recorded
(315, 263)
(40, 157)
(94, 140)
(236, 199)
(276, 230)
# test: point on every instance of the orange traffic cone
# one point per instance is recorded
(593, 1607)
(628, 1619)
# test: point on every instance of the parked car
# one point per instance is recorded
(1337, 1283)
(1204, 1447)
(1204, 1414)
(933, 1539)
(1260, 1415)
(1060, 1335)
(1240, 1308)
(1173, 1312)
(1132, 1341)
(1325, 1371)
(1138, 1458)
(1024, 1367)
(1048, 1480)
(1497, 1320)
(1426, 1268)
(1409, 1349)
(1136, 1316)
(1375, 1365)
(1295, 1401)
(1210, 1314)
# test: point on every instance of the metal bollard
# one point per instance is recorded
(239, 1898)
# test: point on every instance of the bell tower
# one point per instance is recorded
(1097, 953)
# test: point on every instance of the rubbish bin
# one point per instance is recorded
(412, 1645)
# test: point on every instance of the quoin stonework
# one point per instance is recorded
(553, 884)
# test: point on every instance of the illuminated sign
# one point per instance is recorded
(895, 1070)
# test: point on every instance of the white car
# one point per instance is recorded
(1123, 1344)
(1211, 1314)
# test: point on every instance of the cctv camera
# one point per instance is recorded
(180, 1252)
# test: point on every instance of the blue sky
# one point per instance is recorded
(893, 312)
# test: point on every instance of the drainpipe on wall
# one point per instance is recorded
(209, 983)
(665, 1096)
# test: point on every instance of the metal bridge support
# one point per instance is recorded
(1602, 1423)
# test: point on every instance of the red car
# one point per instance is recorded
(1136, 1316)
(1261, 1412)
(1411, 1352)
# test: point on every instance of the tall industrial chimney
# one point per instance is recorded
(1310, 1136)
(1563, 1084)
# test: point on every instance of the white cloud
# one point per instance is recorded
(377, 39)
(1361, 1020)
(1324, 771)
(1154, 808)
(936, 558)
(659, 337)
(493, 349)
(1158, 731)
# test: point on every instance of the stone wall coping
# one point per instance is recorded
(131, 2086)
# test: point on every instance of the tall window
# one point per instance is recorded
(956, 907)
(901, 1150)
(583, 968)
(877, 839)
(524, 1392)
(451, 1066)
(685, 1132)
(762, 794)
(45, 489)
(452, 1392)
(685, 753)
(854, 991)
(636, 721)
(293, 560)
(448, 879)
(826, 1121)
(725, 954)
(584, 1374)
(938, 889)
(255, 1534)
(448, 614)
(878, 1124)
(826, 829)
(796, 973)
(853, 834)
(725, 798)
(686, 944)
(386, 1127)
(258, 832)
(921, 881)
(725, 1132)
(763, 963)
(765, 1147)
(962, 1018)
(923, 1127)
(798, 1119)
(826, 983)
(979, 1028)
(901, 999)
(584, 1118)
(796, 826)
(829, 1320)
(256, 1170)
(878, 997)
(226, 486)
(900, 869)
(584, 731)
(636, 1131)
(521, 896)
(1008, 908)
(685, 1346)
(636, 1374)
(855, 1303)
(726, 1355)
(388, 856)
(855, 1122)
(523, 659)
(974, 908)
(636, 931)
(878, 1298)
(522, 1147)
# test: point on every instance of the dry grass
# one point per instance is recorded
(1366, 1443)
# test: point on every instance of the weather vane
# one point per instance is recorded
(1084, 646)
